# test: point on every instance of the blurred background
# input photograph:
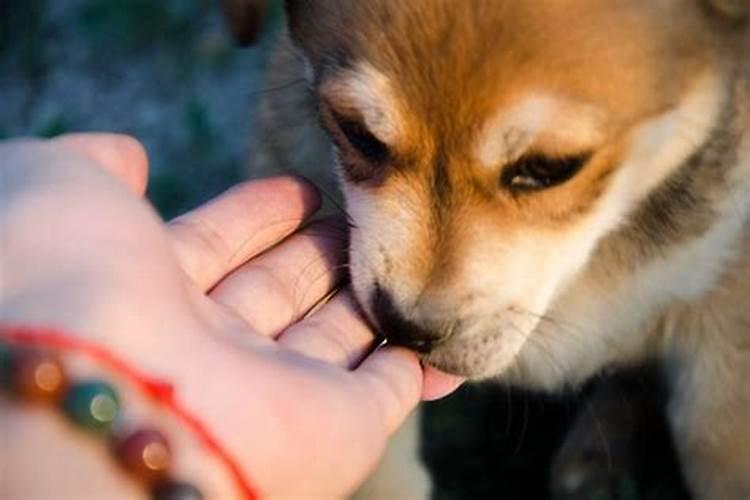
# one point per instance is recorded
(167, 72)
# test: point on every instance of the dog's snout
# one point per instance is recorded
(401, 331)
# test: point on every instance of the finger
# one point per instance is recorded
(438, 384)
(336, 333)
(281, 286)
(120, 155)
(216, 238)
(391, 377)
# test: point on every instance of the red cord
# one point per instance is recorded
(160, 391)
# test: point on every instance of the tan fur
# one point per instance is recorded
(708, 348)
(644, 253)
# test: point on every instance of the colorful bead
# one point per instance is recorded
(6, 360)
(176, 490)
(93, 405)
(145, 453)
(38, 376)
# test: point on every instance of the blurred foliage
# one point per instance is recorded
(170, 193)
(199, 171)
(56, 125)
(21, 28)
(185, 184)
(176, 38)
(201, 133)
(137, 24)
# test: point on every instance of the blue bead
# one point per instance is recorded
(93, 405)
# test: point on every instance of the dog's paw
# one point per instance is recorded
(597, 458)
(589, 476)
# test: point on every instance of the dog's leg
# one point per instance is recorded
(597, 455)
(617, 442)
(401, 474)
(710, 416)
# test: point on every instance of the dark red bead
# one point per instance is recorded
(176, 490)
(38, 376)
(145, 453)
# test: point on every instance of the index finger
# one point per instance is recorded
(218, 237)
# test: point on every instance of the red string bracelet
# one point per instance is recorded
(158, 390)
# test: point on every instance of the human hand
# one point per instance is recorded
(210, 304)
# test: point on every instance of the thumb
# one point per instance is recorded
(120, 155)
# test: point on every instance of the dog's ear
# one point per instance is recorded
(737, 10)
(245, 18)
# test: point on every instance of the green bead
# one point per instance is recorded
(92, 405)
(6, 360)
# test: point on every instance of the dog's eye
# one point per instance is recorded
(536, 172)
(362, 140)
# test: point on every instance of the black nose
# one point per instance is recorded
(399, 330)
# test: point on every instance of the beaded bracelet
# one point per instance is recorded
(32, 371)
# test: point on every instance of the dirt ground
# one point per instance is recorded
(166, 72)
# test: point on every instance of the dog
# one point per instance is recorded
(542, 190)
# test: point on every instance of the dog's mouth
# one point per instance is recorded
(437, 383)
(450, 351)
(480, 353)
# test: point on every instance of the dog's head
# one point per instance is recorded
(487, 147)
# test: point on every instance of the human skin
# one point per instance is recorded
(214, 302)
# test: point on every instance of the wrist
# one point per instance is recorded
(141, 405)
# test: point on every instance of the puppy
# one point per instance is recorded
(540, 190)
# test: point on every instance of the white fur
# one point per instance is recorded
(538, 116)
(369, 92)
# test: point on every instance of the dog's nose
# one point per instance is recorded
(399, 330)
